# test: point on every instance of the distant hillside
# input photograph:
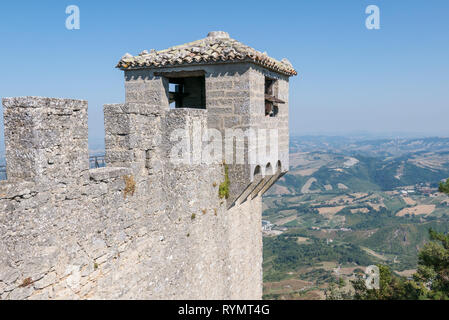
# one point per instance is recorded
(337, 164)
(348, 203)
(369, 173)
(376, 147)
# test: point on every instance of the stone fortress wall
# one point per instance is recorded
(142, 227)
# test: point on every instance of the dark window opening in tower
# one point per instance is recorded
(271, 100)
(187, 92)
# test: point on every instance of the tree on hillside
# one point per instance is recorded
(431, 281)
(432, 276)
(337, 291)
(444, 187)
(391, 287)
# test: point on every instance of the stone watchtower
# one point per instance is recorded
(148, 226)
(238, 90)
(225, 85)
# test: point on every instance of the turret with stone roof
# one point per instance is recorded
(238, 88)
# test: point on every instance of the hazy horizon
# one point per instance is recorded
(97, 143)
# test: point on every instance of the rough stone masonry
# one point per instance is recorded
(143, 227)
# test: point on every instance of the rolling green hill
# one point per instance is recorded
(368, 174)
(350, 204)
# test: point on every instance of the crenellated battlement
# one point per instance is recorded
(142, 227)
(46, 139)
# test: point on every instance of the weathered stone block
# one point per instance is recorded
(40, 133)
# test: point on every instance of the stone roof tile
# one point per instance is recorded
(216, 47)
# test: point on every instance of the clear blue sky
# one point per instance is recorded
(350, 79)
